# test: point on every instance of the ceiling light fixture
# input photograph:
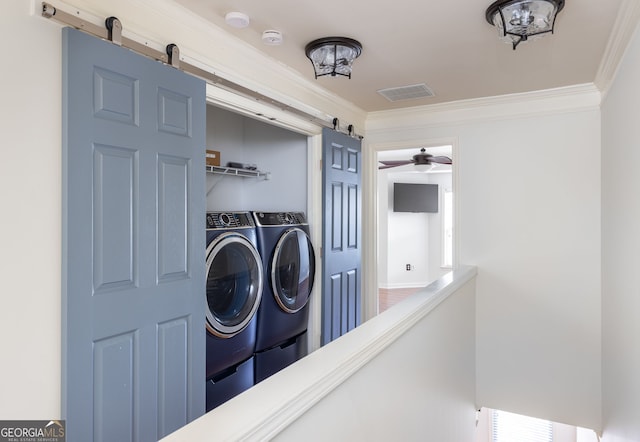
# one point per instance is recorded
(518, 20)
(237, 19)
(333, 55)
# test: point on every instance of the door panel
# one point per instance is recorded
(342, 237)
(113, 387)
(114, 253)
(173, 379)
(133, 243)
(336, 220)
(173, 207)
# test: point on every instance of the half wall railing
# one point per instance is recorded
(406, 374)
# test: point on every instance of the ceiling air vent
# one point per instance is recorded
(406, 92)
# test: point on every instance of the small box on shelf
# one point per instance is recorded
(213, 157)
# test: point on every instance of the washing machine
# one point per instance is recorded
(289, 267)
(235, 280)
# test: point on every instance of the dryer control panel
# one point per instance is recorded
(280, 218)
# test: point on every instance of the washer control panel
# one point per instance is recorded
(225, 220)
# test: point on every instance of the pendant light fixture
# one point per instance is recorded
(333, 55)
(518, 20)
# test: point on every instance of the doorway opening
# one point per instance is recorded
(415, 223)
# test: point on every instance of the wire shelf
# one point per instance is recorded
(223, 170)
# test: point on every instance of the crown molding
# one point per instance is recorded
(623, 29)
(544, 102)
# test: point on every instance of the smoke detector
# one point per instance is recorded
(237, 19)
(272, 37)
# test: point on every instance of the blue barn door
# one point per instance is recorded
(341, 235)
(133, 244)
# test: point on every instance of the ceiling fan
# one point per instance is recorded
(419, 159)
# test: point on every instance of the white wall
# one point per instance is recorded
(409, 238)
(530, 219)
(621, 252)
(418, 389)
(30, 183)
(408, 243)
(528, 196)
(278, 151)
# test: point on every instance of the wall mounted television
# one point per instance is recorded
(415, 197)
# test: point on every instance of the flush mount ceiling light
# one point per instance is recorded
(518, 20)
(237, 19)
(333, 55)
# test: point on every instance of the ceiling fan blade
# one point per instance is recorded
(389, 166)
(440, 160)
(396, 162)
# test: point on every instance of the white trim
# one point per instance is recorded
(272, 405)
(546, 102)
(369, 257)
(623, 29)
(254, 109)
(443, 230)
(315, 219)
(409, 144)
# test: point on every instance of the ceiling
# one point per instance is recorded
(447, 45)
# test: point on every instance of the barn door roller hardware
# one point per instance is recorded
(350, 129)
(112, 31)
(173, 52)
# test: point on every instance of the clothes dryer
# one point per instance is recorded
(233, 292)
(289, 269)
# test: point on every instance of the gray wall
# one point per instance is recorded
(281, 152)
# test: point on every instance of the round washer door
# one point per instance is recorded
(292, 270)
(234, 284)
